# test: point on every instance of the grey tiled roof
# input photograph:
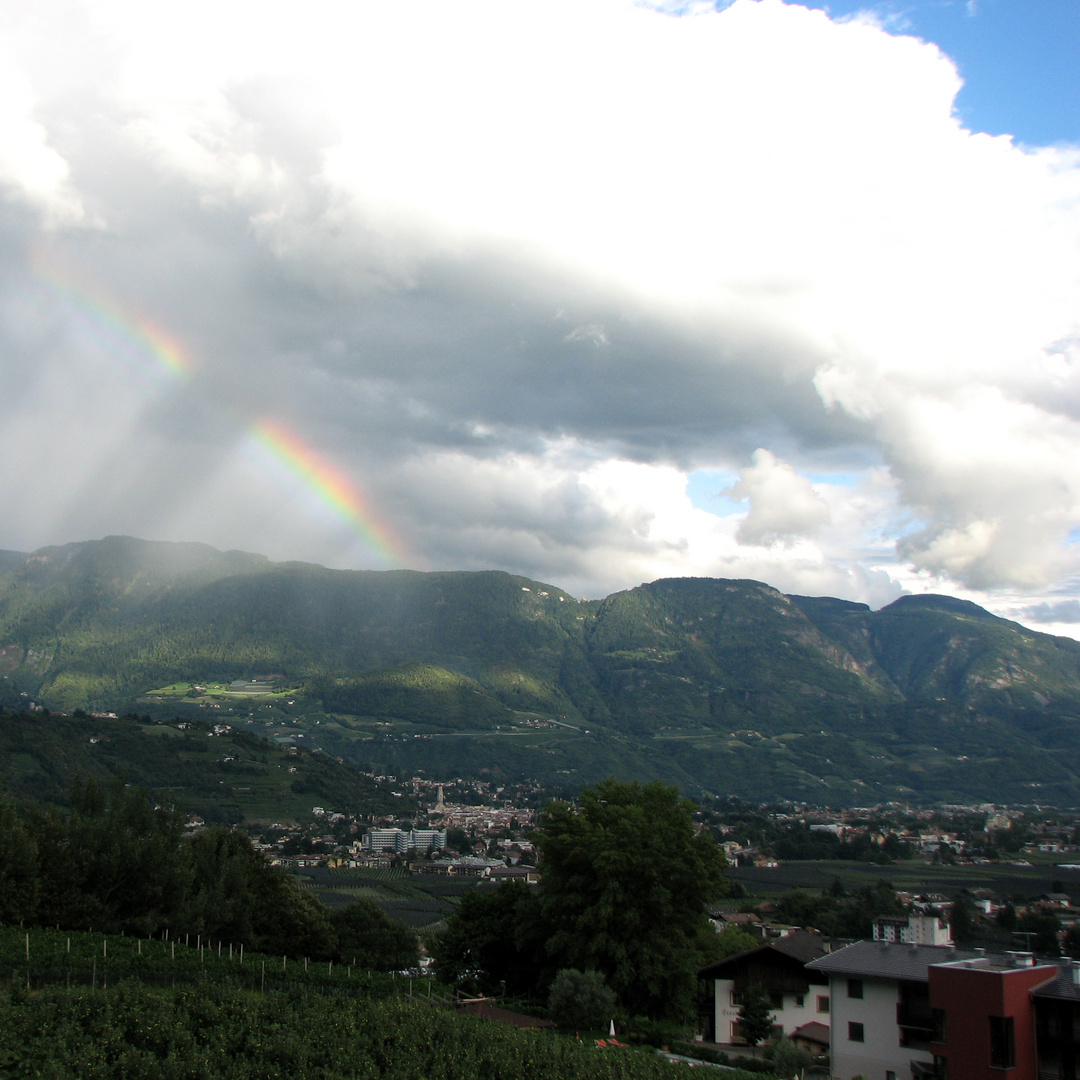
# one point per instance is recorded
(800, 946)
(888, 960)
(1063, 986)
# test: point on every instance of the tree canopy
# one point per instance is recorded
(121, 864)
(579, 999)
(626, 884)
(494, 942)
(755, 1016)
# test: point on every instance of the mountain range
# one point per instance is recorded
(725, 687)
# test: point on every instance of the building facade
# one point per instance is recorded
(984, 1020)
(882, 1024)
(904, 1012)
(398, 840)
(797, 995)
(913, 929)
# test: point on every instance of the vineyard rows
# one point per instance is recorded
(215, 1032)
(40, 957)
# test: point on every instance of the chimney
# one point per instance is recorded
(1021, 959)
(1075, 966)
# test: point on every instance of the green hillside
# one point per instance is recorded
(721, 686)
(221, 773)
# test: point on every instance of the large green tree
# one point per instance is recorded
(579, 999)
(626, 883)
(114, 863)
(368, 936)
(494, 942)
(19, 882)
(236, 895)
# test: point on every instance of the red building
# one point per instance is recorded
(984, 1022)
(921, 1012)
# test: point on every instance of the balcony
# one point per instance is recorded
(916, 1023)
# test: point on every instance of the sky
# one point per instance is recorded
(593, 291)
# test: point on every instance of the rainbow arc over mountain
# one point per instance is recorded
(161, 359)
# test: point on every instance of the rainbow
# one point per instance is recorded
(285, 451)
(140, 336)
(330, 485)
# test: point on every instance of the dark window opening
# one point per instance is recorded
(855, 1032)
(1002, 1043)
(937, 1029)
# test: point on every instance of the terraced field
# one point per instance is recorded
(414, 899)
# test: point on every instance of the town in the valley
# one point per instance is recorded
(888, 942)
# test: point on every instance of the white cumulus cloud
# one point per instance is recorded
(514, 270)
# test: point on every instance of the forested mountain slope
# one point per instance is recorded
(719, 685)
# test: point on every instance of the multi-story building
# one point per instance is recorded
(420, 840)
(797, 995)
(914, 929)
(1057, 1024)
(984, 1017)
(881, 1023)
(902, 1012)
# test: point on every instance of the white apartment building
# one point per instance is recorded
(916, 929)
(420, 840)
(881, 1022)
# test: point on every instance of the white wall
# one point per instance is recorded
(790, 1016)
(881, 1051)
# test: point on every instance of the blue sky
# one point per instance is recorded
(1019, 59)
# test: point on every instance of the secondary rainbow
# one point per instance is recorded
(143, 339)
(141, 336)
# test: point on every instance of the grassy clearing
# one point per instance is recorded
(197, 692)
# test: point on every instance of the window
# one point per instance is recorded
(890, 1075)
(776, 1000)
(1002, 1043)
(800, 1001)
(937, 1020)
(855, 1032)
(854, 988)
(823, 1003)
(941, 1067)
